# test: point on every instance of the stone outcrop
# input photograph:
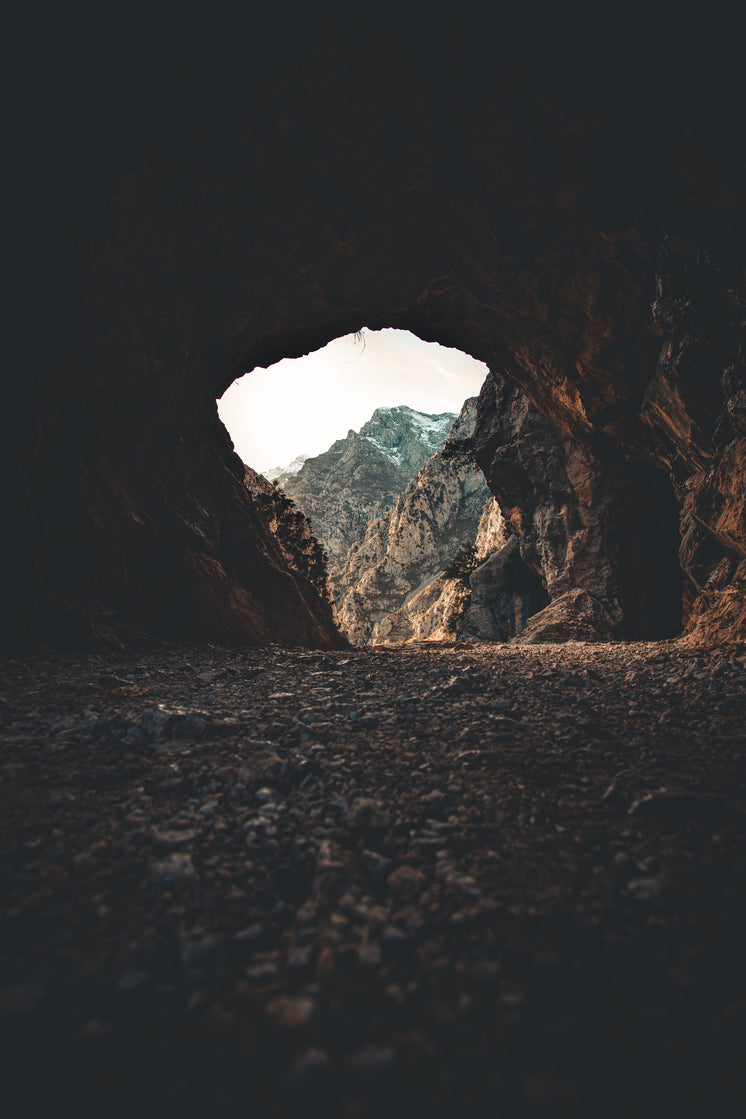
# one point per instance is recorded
(281, 474)
(504, 594)
(360, 477)
(403, 551)
(437, 612)
(292, 530)
(566, 206)
(600, 525)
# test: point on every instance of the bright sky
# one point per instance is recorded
(301, 405)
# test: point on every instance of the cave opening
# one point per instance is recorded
(370, 439)
(430, 525)
(297, 408)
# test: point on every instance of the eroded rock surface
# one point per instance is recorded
(361, 476)
(586, 522)
(406, 549)
(292, 529)
(443, 881)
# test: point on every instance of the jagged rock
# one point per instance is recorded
(301, 550)
(360, 477)
(600, 525)
(280, 474)
(574, 616)
(405, 550)
(505, 593)
(443, 610)
(432, 615)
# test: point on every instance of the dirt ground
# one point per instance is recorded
(470, 880)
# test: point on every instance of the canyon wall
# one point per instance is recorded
(606, 526)
(564, 204)
(408, 547)
(361, 476)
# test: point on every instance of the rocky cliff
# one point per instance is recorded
(436, 612)
(361, 476)
(564, 204)
(403, 551)
(601, 525)
(292, 530)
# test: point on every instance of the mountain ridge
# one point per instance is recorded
(361, 476)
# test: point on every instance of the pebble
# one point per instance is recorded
(375, 863)
(289, 1012)
(175, 868)
(405, 883)
(665, 805)
(647, 891)
(344, 906)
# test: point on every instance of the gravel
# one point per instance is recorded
(453, 880)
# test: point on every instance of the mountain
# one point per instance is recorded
(361, 476)
(280, 474)
(440, 610)
(406, 548)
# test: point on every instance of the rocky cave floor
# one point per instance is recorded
(434, 880)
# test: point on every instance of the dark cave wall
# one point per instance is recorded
(600, 521)
(570, 217)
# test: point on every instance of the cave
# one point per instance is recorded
(251, 869)
(580, 251)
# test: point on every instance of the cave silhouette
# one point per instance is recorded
(250, 870)
(187, 213)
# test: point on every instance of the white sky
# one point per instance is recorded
(301, 405)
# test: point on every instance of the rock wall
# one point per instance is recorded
(292, 530)
(361, 476)
(504, 594)
(564, 204)
(403, 551)
(606, 526)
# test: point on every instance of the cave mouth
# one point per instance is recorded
(297, 411)
(297, 407)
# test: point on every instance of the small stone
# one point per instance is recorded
(665, 805)
(368, 814)
(370, 1062)
(326, 961)
(647, 891)
(394, 941)
(369, 955)
(262, 971)
(299, 959)
(250, 933)
(406, 883)
(288, 1012)
(173, 838)
(309, 1075)
(175, 868)
(196, 952)
(375, 863)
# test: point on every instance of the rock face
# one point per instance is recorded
(360, 477)
(505, 593)
(603, 526)
(280, 474)
(567, 209)
(403, 551)
(301, 550)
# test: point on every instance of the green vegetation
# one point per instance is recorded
(462, 565)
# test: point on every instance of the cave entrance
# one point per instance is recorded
(370, 439)
(364, 460)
